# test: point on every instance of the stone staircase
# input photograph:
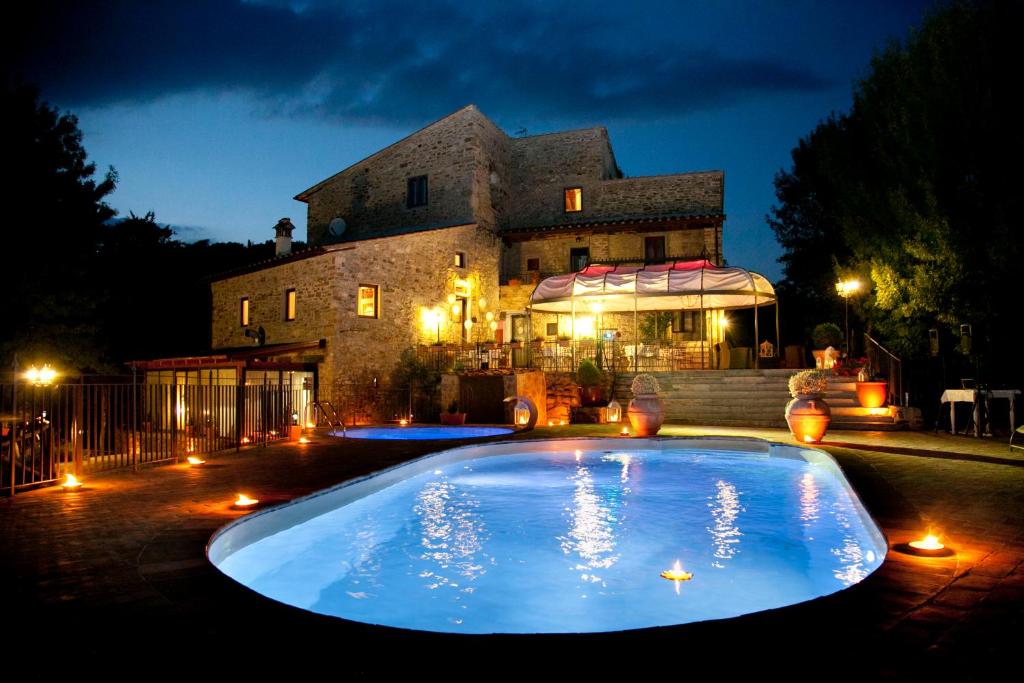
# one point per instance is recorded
(750, 398)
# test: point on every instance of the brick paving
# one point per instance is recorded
(115, 578)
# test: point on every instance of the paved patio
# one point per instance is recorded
(115, 578)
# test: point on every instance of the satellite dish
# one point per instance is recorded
(337, 226)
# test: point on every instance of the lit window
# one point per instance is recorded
(416, 192)
(245, 311)
(368, 305)
(289, 304)
(573, 199)
(460, 259)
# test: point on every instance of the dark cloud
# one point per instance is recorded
(391, 62)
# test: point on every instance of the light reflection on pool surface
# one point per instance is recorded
(420, 432)
(564, 536)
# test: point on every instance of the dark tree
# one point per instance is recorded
(917, 191)
(53, 212)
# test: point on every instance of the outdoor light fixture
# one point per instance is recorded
(489, 316)
(451, 298)
(41, 377)
(195, 461)
(482, 304)
(244, 502)
(614, 411)
(521, 413)
(845, 288)
(71, 482)
(624, 432)
(676, 573)
(303, 439)
(403, 422)
(245, 439)
(929, 546)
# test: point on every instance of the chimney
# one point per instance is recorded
(283, 232)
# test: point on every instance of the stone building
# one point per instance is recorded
(438, 239)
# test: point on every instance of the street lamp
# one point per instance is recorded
(845, 288)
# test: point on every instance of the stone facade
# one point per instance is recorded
(496, 200)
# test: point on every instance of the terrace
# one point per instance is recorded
(115, 577)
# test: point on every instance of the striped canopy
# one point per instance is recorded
(681, 285)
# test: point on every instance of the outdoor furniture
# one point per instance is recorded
(954, 396)
(1019, 431)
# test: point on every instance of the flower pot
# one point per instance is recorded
(872, 394)
(592, 396)
(453, 419)
(294, 432)
(646, 413)
(808, 416)
(514, 282)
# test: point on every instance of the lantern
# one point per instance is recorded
(521, 413)
(614, 411)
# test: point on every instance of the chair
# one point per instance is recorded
(1017, 432)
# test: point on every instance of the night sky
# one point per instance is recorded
(215, 113)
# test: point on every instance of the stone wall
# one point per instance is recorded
(414, 272)
(371, 195)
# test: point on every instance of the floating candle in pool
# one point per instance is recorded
(71, 482)
(243, 501)
(676, 573)
(195, 461)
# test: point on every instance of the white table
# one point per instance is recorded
(954, 396)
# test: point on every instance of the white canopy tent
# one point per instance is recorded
(680, 285)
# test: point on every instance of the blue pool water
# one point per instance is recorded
(564, 536)
(418, 432)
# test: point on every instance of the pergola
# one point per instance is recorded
(679, 285)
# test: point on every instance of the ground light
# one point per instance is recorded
(624, 432)
(244, 502)
(929, 546)
(71, 482)
(195, 461)
(303, 439)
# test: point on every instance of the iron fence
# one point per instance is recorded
(358, 403)
(83, 428)
(565, 355)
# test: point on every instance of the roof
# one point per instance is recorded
(638, 221)
(229, 356)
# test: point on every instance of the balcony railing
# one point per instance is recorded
(565, 355)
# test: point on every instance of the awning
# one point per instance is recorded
(680, 285)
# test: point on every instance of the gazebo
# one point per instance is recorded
(697, 285)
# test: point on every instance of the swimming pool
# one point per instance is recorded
(564, 536)
(420, 432)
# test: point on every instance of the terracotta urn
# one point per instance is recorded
(646, 413)
(453, 419)
(872, 394)
(808, 416)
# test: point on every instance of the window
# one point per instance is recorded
(654, 249)
(368, 304)
(244, 311)
(685, 321)
(460, 259)
(416, 193)
(533, 264)
(289, 304)
(552, 329)
(573, 199)
(579, 258)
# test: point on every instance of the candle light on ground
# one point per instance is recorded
(71, 482)
(243, 501)
(195, 461)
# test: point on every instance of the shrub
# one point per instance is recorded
(808, 382)
(588, 374)
(826, 335)
(645, 385)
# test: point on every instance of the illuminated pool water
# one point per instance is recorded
(564, 536)
(420, 432)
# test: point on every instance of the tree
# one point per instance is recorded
(54, 210)
(917, 188)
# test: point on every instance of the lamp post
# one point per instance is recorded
(845, 289)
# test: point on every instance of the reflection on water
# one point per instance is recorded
(366, 563)
(624, 459)
(809, 499)
(725, 534)
(591, 527)
(852, 567)
(453, 535)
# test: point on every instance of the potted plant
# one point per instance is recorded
(808, 415)
(490, 344)
(564, 339)
(646, 410)
(591, 381)
(538, 341)
(514, 281)
(826, 336)
(515, 344)
(452, 416)
(872, 390)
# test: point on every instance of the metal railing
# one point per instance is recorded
(360, 403)
(887, 365)
(565, 355)
(81, 428)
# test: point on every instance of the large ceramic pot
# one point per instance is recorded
(453, 419)
(872, 394)
(646, 413)
(808, 416)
